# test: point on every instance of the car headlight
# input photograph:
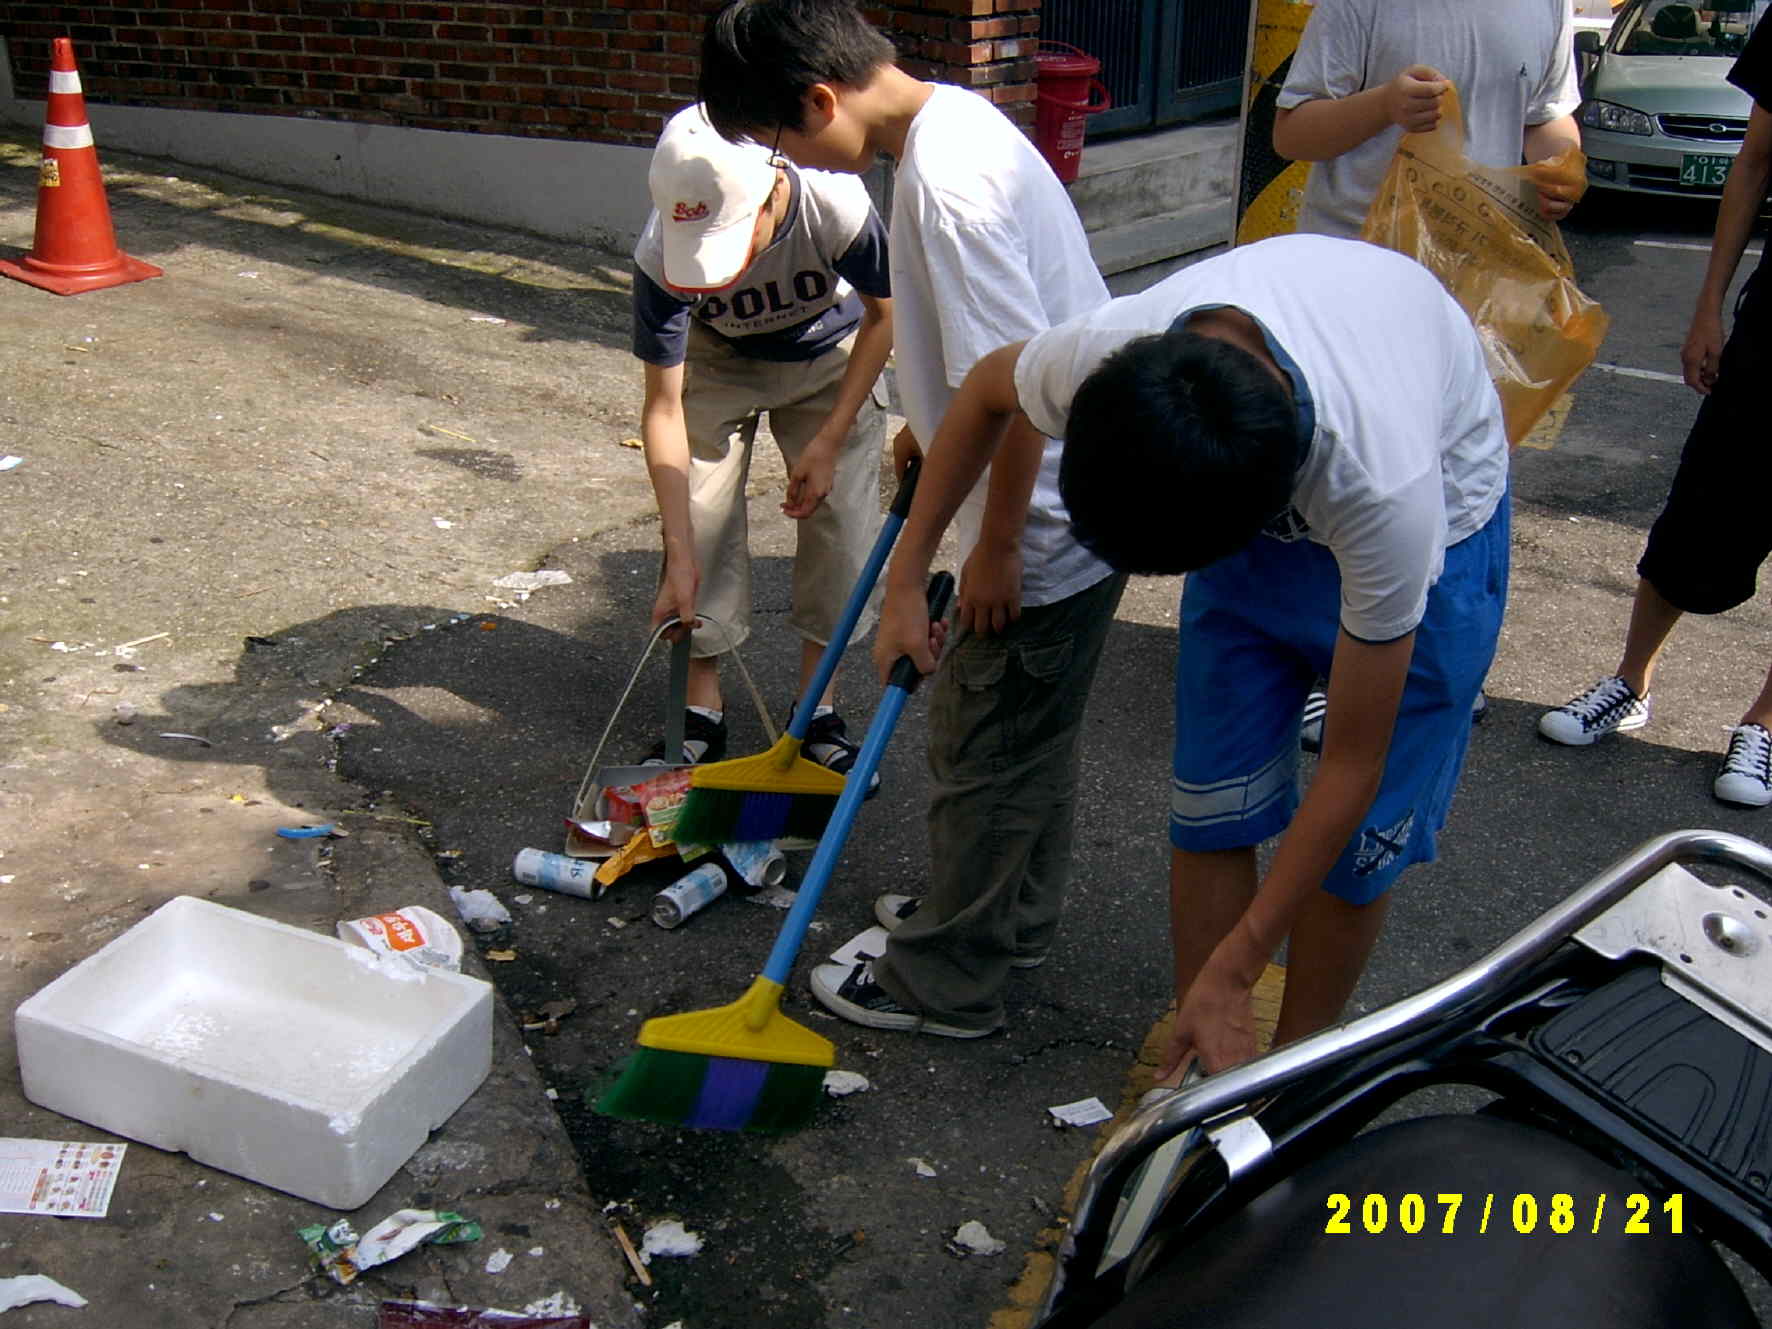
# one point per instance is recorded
(1617, 119)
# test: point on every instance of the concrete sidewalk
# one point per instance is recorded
(328, 416)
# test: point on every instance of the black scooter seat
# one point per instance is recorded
(1276, 1264)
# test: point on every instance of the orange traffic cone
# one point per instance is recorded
(75, 248)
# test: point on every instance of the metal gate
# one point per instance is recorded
(1164, 61)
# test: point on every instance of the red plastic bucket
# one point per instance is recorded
(1066, 95)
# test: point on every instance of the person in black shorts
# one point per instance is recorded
(1700, 560)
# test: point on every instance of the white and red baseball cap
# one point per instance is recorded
(708, 192)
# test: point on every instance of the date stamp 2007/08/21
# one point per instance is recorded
(1448, 1213)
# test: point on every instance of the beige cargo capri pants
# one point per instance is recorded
(724, 396)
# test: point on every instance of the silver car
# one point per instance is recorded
(1659, 114)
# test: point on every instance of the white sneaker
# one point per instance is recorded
(1746, 776)
(1609, 706)
(891, 909)
(849, 990)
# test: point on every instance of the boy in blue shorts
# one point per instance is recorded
(1307, 428)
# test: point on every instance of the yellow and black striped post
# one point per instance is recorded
(1268, 186)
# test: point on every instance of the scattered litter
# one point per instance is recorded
(414, 933)
(343, 1254)
(9, 461)
(252, 275)
(549, 1314)
(501, 957)
(8, 879)
(142, 641)
(524, 584)
(66, 649)
(632, 443)
(840, 1084)
(443, 523)
(537, 1251)
(480, 909)
(191, 738)
(552, 1094)
(484, 318)
(124, 713)
(633, 1256)
(973, 1238)
(1084, 1112)
(923, 1169)
(498, 1261)
(448, 433)
(550, 1204)
(869, 945)
(67, 1179)
(776, 897)
(28, 1288)
(557, 1304)
(522, 899)
(548, 1015)
(315, 832)
(669, 1238)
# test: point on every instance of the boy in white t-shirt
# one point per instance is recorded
(1368, 71)
(1307, 428)
(986, 249)
(758, 288)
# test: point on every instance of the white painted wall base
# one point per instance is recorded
(594, 193)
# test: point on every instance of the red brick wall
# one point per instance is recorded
(606, 72)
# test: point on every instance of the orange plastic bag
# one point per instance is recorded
(1478, 229)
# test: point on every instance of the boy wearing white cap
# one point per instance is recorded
(758, 287)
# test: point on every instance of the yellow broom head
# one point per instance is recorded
(752, 1028)
(780, 770)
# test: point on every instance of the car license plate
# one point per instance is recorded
(1704, 170)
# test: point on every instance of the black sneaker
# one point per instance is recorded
(828, 743)
(704, 740)
(849, 990)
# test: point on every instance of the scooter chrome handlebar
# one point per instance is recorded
(1167, 1118)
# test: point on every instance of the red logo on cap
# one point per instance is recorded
(687, 213)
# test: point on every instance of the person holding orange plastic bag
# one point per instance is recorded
(1368, 71)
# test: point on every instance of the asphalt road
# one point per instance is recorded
(485, 728)
(291, 471)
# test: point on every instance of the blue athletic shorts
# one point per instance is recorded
(1257, 629)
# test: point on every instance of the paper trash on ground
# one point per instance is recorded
(479, 909)
(28, 1288)
(669, 1238)
(66, 1179)
(840, 1084)
(557, 1312)
(869, 945)
(973, 1238)
(1084, 1112)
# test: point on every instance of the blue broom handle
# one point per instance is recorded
(858, 598)
(903, 682)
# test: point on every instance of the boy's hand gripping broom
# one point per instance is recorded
(779, 792)
(747, 1066)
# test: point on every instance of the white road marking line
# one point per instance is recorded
(1751, 251)
(1627, 372)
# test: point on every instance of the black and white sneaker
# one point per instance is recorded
(892, 909)
(1609, 706)
(828, 743)
(849, 990)
(704, 740)
(1746, 776)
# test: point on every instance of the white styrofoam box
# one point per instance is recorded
(294, 1059)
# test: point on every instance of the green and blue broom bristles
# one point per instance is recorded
(743, 1066)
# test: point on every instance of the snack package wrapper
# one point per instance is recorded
(1478, 229)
